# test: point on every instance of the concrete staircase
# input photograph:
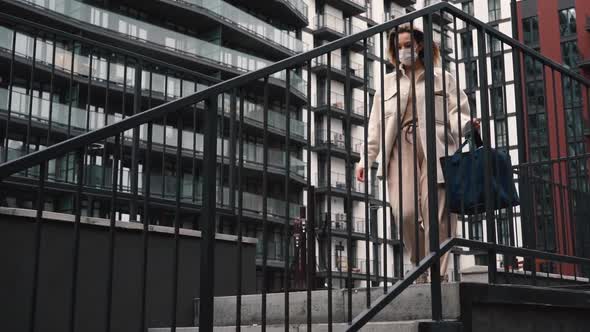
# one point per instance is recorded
(407, 313)
(466, 307)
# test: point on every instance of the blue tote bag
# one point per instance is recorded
(464, 178)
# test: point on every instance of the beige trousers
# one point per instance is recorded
(409, 213)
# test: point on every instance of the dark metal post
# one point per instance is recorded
(208, 223)
(431, 167)
(489, 199)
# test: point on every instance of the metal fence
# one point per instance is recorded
(154, 135)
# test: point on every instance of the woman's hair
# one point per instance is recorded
(418, 39)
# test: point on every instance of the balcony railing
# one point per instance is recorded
(63, 116)
(298, 5)
(339, 222)
(167, 39)
(359, 265)
(337, 101)
(62, 170)
(337, 140)
(249, 23)
(276, 119)
(337, 62)
(338, 181)
(331, 22)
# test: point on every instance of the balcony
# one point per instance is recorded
(339, 184)
(405, 3)
(337, 108)
(167, 40)
(329, 27)
(358, 267)
(161, 186)
(234, 18)
(291, 12)
(63, 116)
(348, 7)
(339, 224)
(338, 69)
(337, 144)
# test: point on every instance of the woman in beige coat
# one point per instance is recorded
(457, 113)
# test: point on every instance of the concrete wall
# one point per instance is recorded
(16, 264)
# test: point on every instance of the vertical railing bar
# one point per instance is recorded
(366, 172)
(71, 80)
(145, 219)
(510, 211)
(349, 179)
(576, 156)
(551, 173)
(287, 220)
(497, 213)
(445, 116)
(10, 87)
(489, 213)
(51, 87)
(383, 162)
(106, 121)
(415, 152)
(222, 149)
(208, 215)
(459, 111)
(558, 179)
(240, 212)
(194, 157)
(310, 213)
(164, 127)
(31, 92)
(37, 249)
(177, 218)
(329, 183)
(76, 241)
(89, 91)
(232, 151)
(135, 148)
(123, 115)
(435, 287)
(88, 110)
(399, 153)
(112, 230)
(265, 203)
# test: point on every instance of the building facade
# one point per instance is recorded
(566, 40)
(55, 88)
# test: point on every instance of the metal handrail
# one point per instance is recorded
(54, 151)
(365, 316)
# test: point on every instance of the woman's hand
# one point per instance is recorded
(360, 173)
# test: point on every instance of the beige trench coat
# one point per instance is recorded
(391, 118)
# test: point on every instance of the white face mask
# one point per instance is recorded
(405, 56)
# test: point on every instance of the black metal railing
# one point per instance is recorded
(116, 135)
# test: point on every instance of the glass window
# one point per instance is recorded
(467, 44)
(567, 22)
(497, 68)
(570, 53)
(497, 102)
(494, 10)
(471, 70)
(468, 7)
(530, 27)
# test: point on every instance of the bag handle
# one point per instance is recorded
(471, 135)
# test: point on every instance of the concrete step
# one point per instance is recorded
(402, 326)
(412, 304)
